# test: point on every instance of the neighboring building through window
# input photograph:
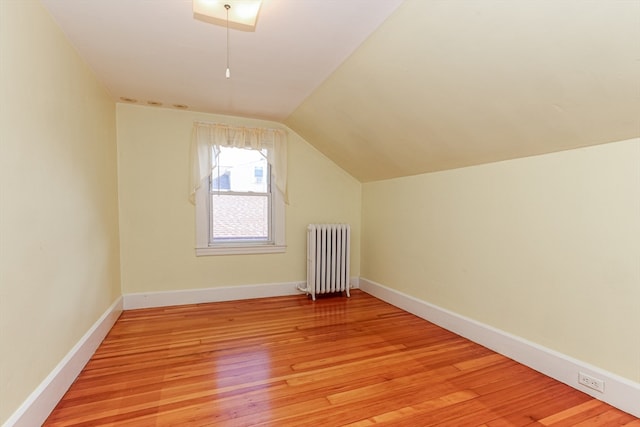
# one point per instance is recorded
(241, 206)
(258, 173)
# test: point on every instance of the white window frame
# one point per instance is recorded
(205, 247)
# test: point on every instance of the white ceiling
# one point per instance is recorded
(154, 50)
(385, 88)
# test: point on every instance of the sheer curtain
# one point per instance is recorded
(207, 136)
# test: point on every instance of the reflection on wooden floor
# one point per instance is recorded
(288, 361)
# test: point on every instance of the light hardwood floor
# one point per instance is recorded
(289, 361)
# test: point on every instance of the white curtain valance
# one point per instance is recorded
(206, 136)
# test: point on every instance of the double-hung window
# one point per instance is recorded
(239, 188)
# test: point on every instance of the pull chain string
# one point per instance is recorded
(228, 72)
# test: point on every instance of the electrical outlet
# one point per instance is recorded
(591, 382)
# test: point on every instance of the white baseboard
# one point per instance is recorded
(354, 282)
(619, 392)
(199, 296)
(37, 407)
(225, 293)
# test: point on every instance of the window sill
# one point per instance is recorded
(241, 250)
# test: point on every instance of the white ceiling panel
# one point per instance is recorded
(154, 50)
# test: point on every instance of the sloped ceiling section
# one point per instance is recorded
(154, 50)
(447, 84)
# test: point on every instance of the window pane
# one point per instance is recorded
(242, 170)
(240, 218)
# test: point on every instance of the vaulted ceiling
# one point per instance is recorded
(445, 84)
(386, 88)
(154, 51)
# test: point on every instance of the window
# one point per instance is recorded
(239, 205)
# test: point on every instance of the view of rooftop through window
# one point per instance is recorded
(240, 196)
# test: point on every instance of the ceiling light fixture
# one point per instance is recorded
(242, 16)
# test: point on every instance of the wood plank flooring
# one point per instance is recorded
(289, 361)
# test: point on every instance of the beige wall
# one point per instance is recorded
(546, 248)
(59, 262)
(157, 221)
